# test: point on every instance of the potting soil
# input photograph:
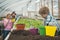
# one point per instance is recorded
(26, 35)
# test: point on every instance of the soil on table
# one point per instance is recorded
(0, 38)
(26, 35)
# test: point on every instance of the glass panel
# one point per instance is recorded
(23, 6)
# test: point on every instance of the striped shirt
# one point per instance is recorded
(50, 20)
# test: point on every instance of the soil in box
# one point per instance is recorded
(25, 35)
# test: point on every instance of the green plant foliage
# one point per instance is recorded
(28, 22)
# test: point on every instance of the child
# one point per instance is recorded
(13, 17)
(49, 20)
(7, 26)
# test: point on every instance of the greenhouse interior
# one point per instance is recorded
(29, 19)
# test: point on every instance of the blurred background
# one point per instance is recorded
(29, 8)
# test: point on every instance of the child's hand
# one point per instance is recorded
(52, 23)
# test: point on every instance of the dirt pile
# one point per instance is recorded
(26, 35)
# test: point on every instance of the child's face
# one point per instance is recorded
(44, 15)
(13, 15)
(8, 16)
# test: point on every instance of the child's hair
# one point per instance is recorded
(8, 14)
(44, 10)
(13, 13)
